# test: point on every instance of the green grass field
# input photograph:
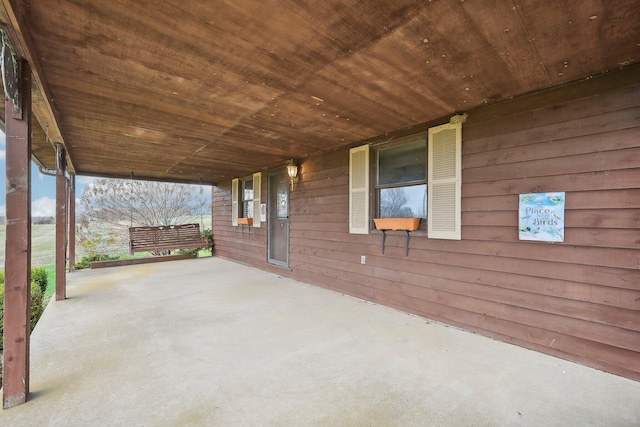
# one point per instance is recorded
(43, 243)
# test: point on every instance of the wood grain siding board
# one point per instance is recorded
(552, 268)
(431, 288)
(598, 237)
(315, 180)
(586, 199)
(613, 336)
(577, 128)
(317, 276)
(581, 185)
(330, 217)
(558, 166)
(482, 322)
(616, 198)
(314, 189)
(430, 274)
(600, 257)
(579, 299)
(624, 138)
(558, 269)
(612, 359)
(487, 123)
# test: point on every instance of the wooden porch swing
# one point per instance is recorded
(166, 237)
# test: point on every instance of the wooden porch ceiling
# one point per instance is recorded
(210, 90)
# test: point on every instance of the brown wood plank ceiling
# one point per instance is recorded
(211, 90)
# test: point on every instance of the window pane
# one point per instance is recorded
(248, 190)
(404, 202)
(247, 210)
(404, 163)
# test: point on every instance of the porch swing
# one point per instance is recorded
(166, 237)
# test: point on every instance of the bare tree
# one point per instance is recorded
(391, 203)
(109, 206)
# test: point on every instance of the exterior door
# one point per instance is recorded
(279, 218)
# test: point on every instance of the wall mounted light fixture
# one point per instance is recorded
(292, 171)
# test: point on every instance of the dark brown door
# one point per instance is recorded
(278, 213)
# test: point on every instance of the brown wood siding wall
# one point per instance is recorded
(248, 246)
(578, 300)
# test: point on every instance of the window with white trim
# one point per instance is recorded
(246, 194)
(418, 177)
(245, 198)
(401, 181)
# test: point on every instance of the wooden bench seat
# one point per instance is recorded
(164, 238)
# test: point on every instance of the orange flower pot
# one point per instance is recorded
(405, 224)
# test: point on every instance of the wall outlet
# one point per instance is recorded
(363, 259)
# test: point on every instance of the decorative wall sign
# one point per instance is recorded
(542, 217)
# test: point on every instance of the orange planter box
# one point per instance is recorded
(245, 221)
(406, 224)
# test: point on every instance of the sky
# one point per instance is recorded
(43, 187)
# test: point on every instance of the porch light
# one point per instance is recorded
(292, 170)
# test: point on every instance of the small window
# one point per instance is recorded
(401, 186)
(247, 198)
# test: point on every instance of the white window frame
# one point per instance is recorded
(237, 199)
(422, 137)
(444, 184)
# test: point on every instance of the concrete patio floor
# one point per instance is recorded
(210, 342)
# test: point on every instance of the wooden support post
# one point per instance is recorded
(17, 287)
(61, 225)
(72, 223)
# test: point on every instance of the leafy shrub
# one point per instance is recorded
(36, 309)
(207, 232)
(194, 251)
(86, 261)
(39, 275)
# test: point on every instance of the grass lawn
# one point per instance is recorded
(43, 243)
(51, 283)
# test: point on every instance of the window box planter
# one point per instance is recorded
(405, 224)
(245, 221)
